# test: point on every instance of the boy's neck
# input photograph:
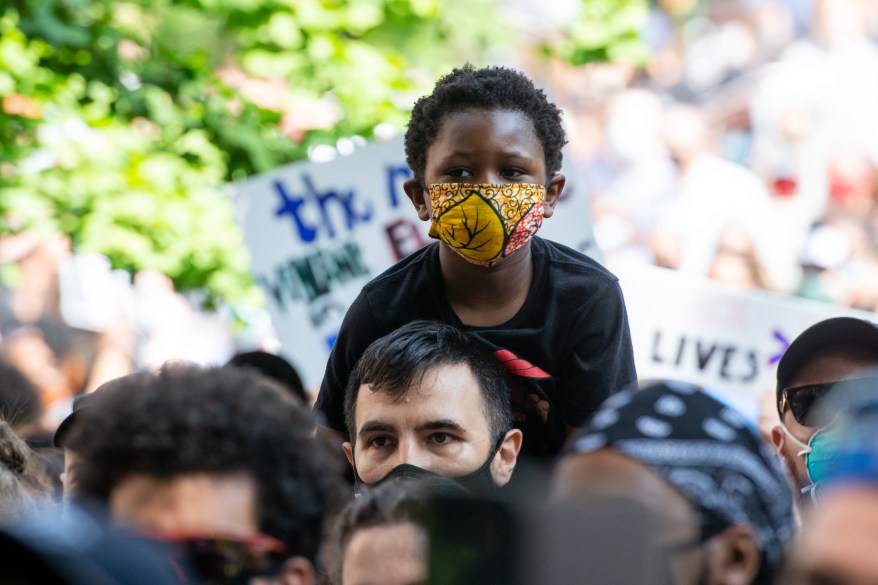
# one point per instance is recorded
(486, 296)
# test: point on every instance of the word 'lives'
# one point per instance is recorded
(309, 277)
(725, 360)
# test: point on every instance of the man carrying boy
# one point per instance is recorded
(485, 149)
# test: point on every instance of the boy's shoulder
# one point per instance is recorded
(567, 261)
(410, 270)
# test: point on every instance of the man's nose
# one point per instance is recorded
(413, 453)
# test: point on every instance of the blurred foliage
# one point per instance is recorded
(605, 30)
(119, 120)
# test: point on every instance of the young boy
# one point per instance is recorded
(485, 149)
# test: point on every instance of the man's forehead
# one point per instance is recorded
(448, 392)
(838, 362)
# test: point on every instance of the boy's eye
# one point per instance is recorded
(513, 173)
(457, 173)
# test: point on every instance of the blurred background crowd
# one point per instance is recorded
(744, 150)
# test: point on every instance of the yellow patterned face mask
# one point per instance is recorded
(484, 222)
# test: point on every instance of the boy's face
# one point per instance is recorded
(485, 146)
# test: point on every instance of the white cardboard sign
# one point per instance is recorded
(721, 337)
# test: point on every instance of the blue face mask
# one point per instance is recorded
(821, 454)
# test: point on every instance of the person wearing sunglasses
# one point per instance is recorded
(827, 359)
(720, 508)
(218, 465)
(838, 545)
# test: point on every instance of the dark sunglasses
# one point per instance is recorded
(802, 400)
(226, 559)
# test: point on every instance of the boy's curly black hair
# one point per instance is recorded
(187, 419)
(490, 88)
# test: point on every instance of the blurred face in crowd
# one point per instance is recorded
(730, 557)
(830, 365)
(368, 555)
(199, 506)
(439, 425)
(838, 547)
(190, 504)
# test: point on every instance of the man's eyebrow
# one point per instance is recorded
(372, 426)
(441, 424)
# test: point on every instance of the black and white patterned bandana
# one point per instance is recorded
(702, 447)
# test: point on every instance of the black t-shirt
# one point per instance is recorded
(566, 350)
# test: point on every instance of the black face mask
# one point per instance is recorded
(478, 482)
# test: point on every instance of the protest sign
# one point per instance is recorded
(317, 232)
(724, 338)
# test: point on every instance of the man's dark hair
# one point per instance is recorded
(20, 404)
(490, 88)
(186, 419)
(394, 362)
(390, 504)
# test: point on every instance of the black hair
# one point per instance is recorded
(22, 483)
(274, 367)
(394, 362)
(490, 88)
(390, 504)
(20, 404)
(186, 419)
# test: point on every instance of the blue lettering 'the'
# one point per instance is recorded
(293, 205)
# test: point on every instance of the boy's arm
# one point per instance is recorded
(600, 358)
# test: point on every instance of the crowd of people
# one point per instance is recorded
(743, 151)
(481, 418)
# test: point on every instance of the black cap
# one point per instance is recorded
(64, 428)
(825, 334)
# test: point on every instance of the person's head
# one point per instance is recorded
(722, 505)
(838, 543)
(202, 454)
(54, 358)
(432, 397)
(478, 130)
(830, 351)
(275, 367)
(381, 536)
(19, 399)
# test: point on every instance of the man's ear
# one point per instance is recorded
(348, 451)
(553, 194)
(777, 438)
(419, 198)
(297, 571)
(504, 461)
(734, 556)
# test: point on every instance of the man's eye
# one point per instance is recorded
(441, 438)
(379, 442)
